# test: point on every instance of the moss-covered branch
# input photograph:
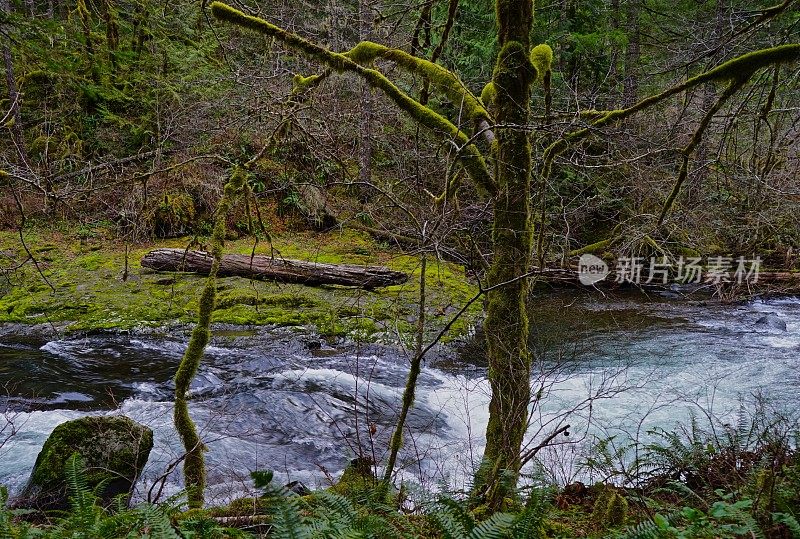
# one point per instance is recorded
(443, 80)
(739, 69)
(471, 156)
(593, 247)
(396, 441)
(695, 140)
(736, 71)
(194, 461)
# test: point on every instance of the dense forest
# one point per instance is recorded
(419, 183)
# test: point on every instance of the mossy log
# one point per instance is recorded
(274, 269)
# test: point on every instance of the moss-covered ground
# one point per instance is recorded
(89, 292)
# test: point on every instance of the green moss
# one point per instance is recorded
(512, 61)
(230, 298)
(488, 94)
(114, 451)
(37, 76)
(301, 84)
(443, 80)
(174, 216)
(743, 67)
(365, 52)
(594, 247)
(357, 479)
(610, 508)
(593, 114)
(244, 506)
(542, 59)
(90, 293)
(195, 514)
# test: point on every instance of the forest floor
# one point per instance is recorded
(79, 283)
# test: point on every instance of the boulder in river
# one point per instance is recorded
(114, 450)
(771, 321)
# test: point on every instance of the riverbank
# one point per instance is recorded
(284, 399)
(82, 283)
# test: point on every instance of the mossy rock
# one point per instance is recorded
(114, 450)
(357, 479)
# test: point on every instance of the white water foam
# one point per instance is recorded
(288, 420)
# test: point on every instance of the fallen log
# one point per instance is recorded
(767, 281)
(274, 269)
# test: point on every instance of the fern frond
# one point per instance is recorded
(495, 527)
(651, 529)
(156, 518)
(336, 504)
(789, 521)
(76, 482)
(456, 514)
(85, 513)
(288, 522)
(529, 523)
(450, 526)
(5, 516)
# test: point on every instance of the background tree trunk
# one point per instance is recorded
(613, 73)
(365, 109)
(630, 89)
(13, 92)
(709, 97)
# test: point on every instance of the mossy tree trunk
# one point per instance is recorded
(506, 324)
(86, 25)
(509, 185)
(109, 13)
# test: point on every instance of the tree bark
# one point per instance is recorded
(506, 322)
(275, 269)
(409, 392)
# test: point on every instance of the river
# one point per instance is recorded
(286, 400)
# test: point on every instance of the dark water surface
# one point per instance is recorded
(284, 399)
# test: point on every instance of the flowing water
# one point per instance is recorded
(283, 399)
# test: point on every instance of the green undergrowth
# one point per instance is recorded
(89, 292)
